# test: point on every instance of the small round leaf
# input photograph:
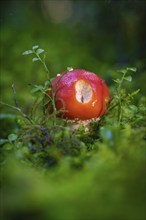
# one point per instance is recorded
(12, 137)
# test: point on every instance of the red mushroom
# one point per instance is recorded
(82, 94)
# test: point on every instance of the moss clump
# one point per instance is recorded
(50, 171)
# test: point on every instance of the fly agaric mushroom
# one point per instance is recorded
(82, 94)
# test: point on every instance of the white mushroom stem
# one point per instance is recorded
(75, 124)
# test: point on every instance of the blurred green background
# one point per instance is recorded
(101, 36)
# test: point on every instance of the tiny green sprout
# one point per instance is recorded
(35, 59)
(35, 47)
(118, 81)
(69, 68)
(40, 56)
(37, 88)
(124, 71)
(120, 98)
(133, 69)
(37, 51)
(128, 78)
(27, 52)
(12, 137)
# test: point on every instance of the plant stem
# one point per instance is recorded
(119, 98)
(20, 111)
(47, 70)
(15, 99)
(44, 64)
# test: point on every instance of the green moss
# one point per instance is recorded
(51, 172)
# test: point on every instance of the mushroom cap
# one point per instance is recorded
(82, 94)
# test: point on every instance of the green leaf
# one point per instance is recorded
(69, 68)
(12, 137)
(27, 52)
(124, 71)
(39, 51)
(52, 79)
(134, 108)
(133, 69)
(46, 84)
(35, 59)
(35, 47)
(128, 78)
(134, 93)
(117, 81)
(36, 89)
(25, 150)
(3, 141)
(8, 146)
